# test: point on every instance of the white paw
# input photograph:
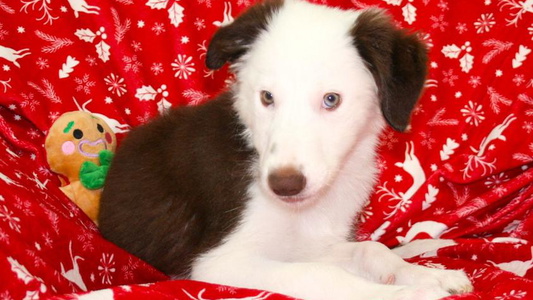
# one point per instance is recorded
(452, 281)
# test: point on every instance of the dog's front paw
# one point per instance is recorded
(453, 281)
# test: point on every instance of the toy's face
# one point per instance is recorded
(87, 138)
(77, 137)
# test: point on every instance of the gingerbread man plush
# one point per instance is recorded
(80, 147)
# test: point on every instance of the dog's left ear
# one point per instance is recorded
(230, 42)
(396, 59)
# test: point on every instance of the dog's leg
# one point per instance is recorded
(306, 280)
(376, 262)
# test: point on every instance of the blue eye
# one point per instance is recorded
(267, 98)
(331, 101)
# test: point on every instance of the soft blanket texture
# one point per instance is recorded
(463, 170)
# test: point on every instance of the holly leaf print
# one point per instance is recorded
(146, 93)
(102, 49)
(85, 35)
(451, 51)
(21, 271)
(466, 62)
(393, 2)
(175, 14)
(409, 13)
(157, 4)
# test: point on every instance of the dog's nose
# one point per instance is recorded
(286, 181)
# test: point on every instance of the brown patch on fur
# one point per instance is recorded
(396, 59)
(177, 185)
(232, 41)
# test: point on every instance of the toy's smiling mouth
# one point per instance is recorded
(91, 149)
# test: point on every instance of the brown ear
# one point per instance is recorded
(396, 59)
(231, 42)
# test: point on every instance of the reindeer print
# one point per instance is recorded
(228, 18)
(13, 55)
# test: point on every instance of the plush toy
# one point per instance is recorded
(80, 146)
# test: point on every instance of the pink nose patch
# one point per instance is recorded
(68, 147)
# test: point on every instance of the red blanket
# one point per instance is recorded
(463, 171)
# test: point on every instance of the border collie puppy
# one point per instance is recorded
(259, 188)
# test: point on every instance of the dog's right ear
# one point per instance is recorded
(231, 41)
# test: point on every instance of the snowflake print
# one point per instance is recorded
(157, 68)
(512, 295)
(519, 79)
(439, 211)
(29, 101)
(84, 84)
(184, 40)
(106, 268)
(528, 127)
(427, 140)
(381, 164)
(484, 23)
(3, 32)
(8, 216)
(500, 191)
(473, 113)
(53, 116)
(443, 5)
(461, 28)
(449, 77)
(4, 237)
(91, 61)
(87, 241)
(158, 28)
(206, 2)
(439, 23)
(132, 64)
(42, 63)
(496, 180)
(474, 81)
(140, 24)
(398, 178)
(115, 84)
(389, 139)
(230, 290)
(199, 23)
(183, 66)
(108, 100)
(366, 214)
(136, 46)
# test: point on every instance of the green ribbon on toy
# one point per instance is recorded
(93, 176)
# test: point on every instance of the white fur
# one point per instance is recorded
(302, 249)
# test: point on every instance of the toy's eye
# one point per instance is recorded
(331, 101)
(100, 128)
(267, 98)
(78, 134)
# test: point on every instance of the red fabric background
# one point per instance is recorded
(467, 175)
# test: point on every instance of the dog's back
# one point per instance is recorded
(168, 177)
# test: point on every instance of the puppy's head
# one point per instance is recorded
(313, 86)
